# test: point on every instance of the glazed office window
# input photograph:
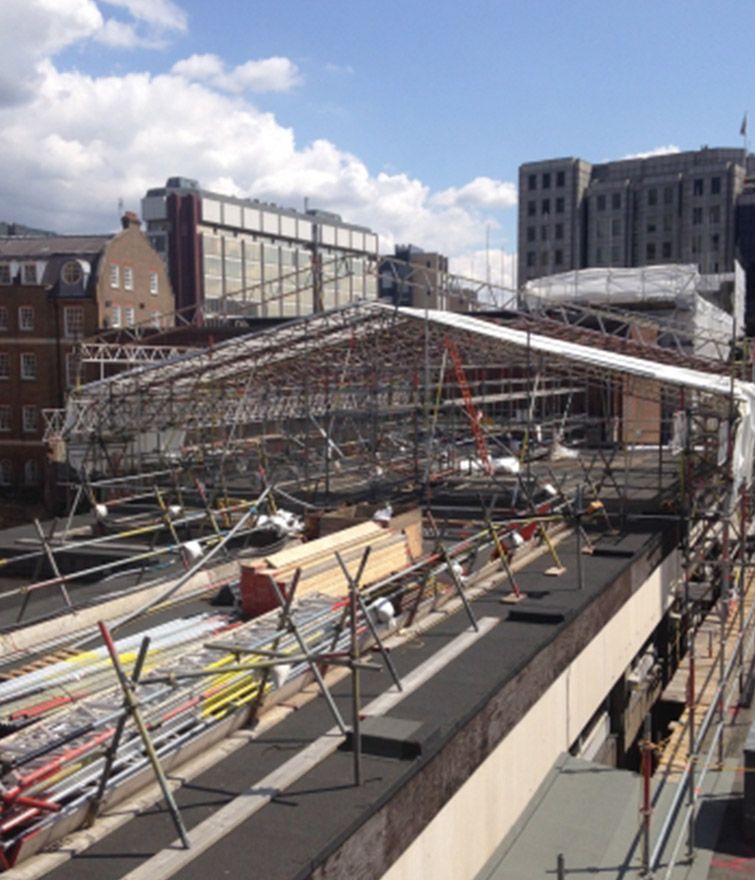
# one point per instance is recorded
(546, 180)
(698, 186)
(25, 317)
(560, 178)
(531, 233)
(73, 321)
(28, 361)
(115, 275)
(532, 181)
(616, 201)
(531, 208)
(600, 203)
(652, 196)
(29, 419)
(697, 216)
(560, 205)
(715, 186)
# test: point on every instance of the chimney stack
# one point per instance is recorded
(130, 219)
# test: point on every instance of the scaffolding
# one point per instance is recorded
(540, 413)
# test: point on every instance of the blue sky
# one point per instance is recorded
(410, 117)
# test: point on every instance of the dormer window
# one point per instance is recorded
(71, 272)
(30, 273)
(5, 277)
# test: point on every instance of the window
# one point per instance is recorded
(616, 201)
(3, 318)
(544, 258)
(698, 186)
(28, 365)
(652, 196)
(128, 278)
(129, 316)
(25, 318)
(696, 242)
(651, 227)
(615, 255)
(650, 251)
(530, 258)
(546, 180)
(154, 283)
(71, 272)
(560, 205)
(599, 255)
(668, 195)
(115, 320)
(697, 216)
(668, 222)
(532, 181)
(559, 231)
(666, 250)
(115, 275)
(558, 257)
(5, 277)
(31, 472)
(4, 418)
(72, 367)
(543, 233)
(601, 202)
(560, 178)
(156, 316)
(615, 226)
(715, 241)
(714, 215)
(6, 472)
(531, 233)
(30, 273)
(546, 207)
(531, 211)
(73, 321)
(600, 228)
(4, 365)
(29, 418)
(715, 186)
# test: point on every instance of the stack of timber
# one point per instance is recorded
(390, 551)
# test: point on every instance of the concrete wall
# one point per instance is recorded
(466, 831)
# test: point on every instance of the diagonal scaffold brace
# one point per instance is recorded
(131, 707)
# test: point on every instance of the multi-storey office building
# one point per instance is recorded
(54, 290)
(224, 252)
(673, 208)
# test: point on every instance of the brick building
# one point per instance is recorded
(55, 289)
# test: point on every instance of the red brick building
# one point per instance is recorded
(54, 290)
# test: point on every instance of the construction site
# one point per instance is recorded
(388, 592)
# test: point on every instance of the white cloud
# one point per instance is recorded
(482, 192)
(80, 143)
(118, 34)
(33, 30)
(264, 75)
(656, 151)
(163, 14)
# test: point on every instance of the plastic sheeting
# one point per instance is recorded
(743, 392)
(699, 306)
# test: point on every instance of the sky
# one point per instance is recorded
(408, 117)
